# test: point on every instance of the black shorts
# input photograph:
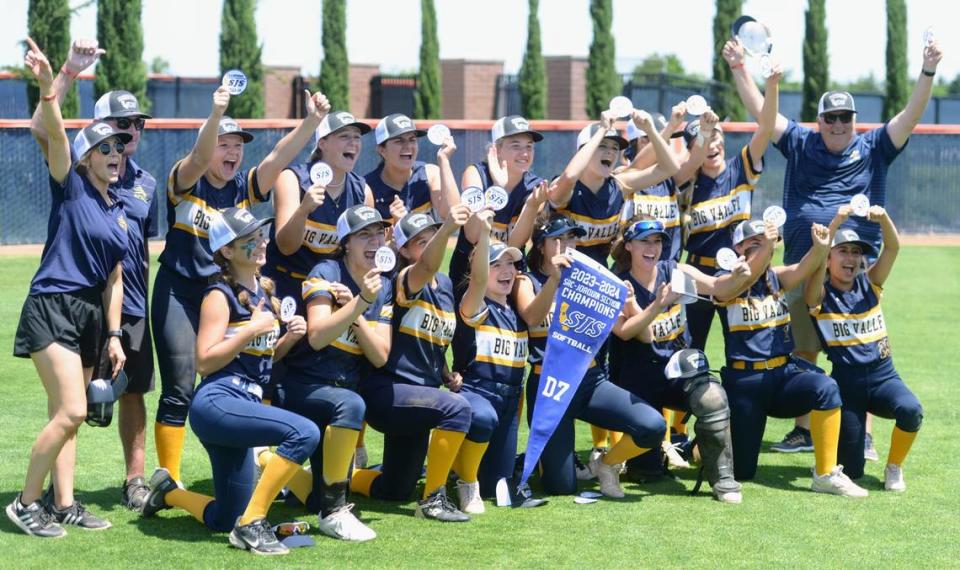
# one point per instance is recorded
(73, 320)
(138, 347)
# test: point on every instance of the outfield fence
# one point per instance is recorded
(923, 189)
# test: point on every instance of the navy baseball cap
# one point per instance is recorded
(355, 218)
(116, 104)
(588, 131)
(395, 125)
(557, 227)
(337, 120)
(231, 224)
(845, 236)
(512, 125)
(95, 133)
(833, 101)
(230, 126)
(412, 224)
(692, 129)
(644, 229)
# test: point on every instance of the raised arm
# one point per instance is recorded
(747, 89)
(813, 287)
(472, 302)
(287, 148)
(534, 308)
(699, 148)
(726, 286)
(880, 270)
(192, 167)
(646, 157)
(58, 146)
(767, 119)
(903, 123)
(523, 229)
(794, 275)
(423, 271)
(291, 211)
(562, 188)
(632, 180)
(444, 193)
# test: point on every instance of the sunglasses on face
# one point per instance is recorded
(123, 123)
(104, 148)
(844, 117)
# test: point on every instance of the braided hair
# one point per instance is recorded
(266, 284)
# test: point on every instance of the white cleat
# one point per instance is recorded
(470, 501)
(893, 478)
(674, 459)
(836, 483)
(343, 525)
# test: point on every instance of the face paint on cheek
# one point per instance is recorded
(248, 248)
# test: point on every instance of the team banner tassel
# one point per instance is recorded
(588, 303)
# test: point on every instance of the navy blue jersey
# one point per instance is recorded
(497, 338)
(423, 325)
(187, 251)
(756, 325)
(320, 231)
(342, 361)
(719, 204)
(598, 214)
(851, 324)
(415, 193)
(817, 182)
(86, 238)
(660, 202)
(137, 191)
(255, 360)
(669, 328)
(538, 333)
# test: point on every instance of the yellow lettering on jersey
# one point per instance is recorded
(723, 211)
(502, 347)
(500, 231)
(429, 323)
(848, 330)
(752, 313)
(347, 341)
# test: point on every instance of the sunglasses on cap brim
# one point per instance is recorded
(844, 117)
(643, 227)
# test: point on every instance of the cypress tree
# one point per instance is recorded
(533, 71)
(48, 23)
(119, 32)
(816, 60)
(603, 81)
(240, 49)
(726, 103)
(897, 89)
(427, 101)
(335, 68)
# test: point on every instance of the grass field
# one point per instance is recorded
(780, 523)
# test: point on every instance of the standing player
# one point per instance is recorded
(136, 189)
(206, 180)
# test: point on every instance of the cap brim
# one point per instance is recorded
(621, 142)
(383, 223)
(515, 254)
(865, 247)
(125, 114)
(577, 231)
(364, 128)
(244, 135)
(253, 226)
(122, 136)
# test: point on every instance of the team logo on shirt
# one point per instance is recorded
(599, 231)
(430, 323)
(663, 208)
(122, 222)
(854, 156)
(139, 193)
(320, 238)
(261, 345)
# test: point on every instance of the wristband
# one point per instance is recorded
(64, 70)
(365, 299)
(49, 97)
(118, 334)
(928, 73)
(737, 66)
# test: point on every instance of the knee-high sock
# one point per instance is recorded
(825, 431)
(193, 503)
(599, 436)
(900, 443)
(362, 480)
(444, 445)
(615, 437)
(275, 475)
(676, 422)
(363, 432)
(169, 441)
(623, 450)
(471, 453)
(301, 484)
(338, 448)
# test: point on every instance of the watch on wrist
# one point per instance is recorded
(117, 333)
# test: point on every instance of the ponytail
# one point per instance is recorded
(243, 296)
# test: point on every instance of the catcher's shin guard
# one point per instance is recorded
(708, 402)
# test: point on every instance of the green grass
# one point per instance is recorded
(658, 525)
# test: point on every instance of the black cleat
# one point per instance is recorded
(134, 494)
(257, 537)
(438, 507)
(161, 483)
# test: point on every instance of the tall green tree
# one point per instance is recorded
(725, 102)
(533, 71)
(335, 68)
(428, 100)
(898, 90)
(48, 23)
(816, 59)
(119, 32)
(241, 49)
(603, 81)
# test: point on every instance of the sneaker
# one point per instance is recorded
(34, 519)
(607, 475)
(869, 451)
(836, 483)
(674, 459)
(583, 472)
(342, 524)
(161, 483)
(470, 501)
(257, 537)
(438, 507)
(893, 478)
(78, 515)
(134, 493)
(729, 497)
(360, 458)
(798, 439)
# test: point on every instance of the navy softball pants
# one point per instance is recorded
(495, 418)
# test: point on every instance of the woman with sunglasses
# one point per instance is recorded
(77, 287)
(844, 298)
(208, 179)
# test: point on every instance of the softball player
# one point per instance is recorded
(206, 180)
(77, 287)
(844, 301)
(404, 400)
(761, 378)
(237, 342)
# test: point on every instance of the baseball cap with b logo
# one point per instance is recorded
(395, 125)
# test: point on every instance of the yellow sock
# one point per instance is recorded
(615, 437)
(900, 443)
(363, 432)
(523, 399)
(193, 503)
(338, 448)
(444, 445)
(362, 480)
(275, 475)
(471, 453)
(623, 450)
(599, 436)
(169, 441)
(677, 422)
(825, 432)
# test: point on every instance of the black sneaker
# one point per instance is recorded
(438, 507)
(34, 519)
(798, 439)
(257, 537)
(161, 483)
(134, 494)
(78, 515)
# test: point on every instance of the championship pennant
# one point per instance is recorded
(588, 303)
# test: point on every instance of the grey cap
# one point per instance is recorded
(229, 126)
(336, 120)
(512, 125)
(833, 101)
(412, 224)
(116, 104)
(94, 134)
(850, 236)
(231, 224)
(395, 125)
(355, 218)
